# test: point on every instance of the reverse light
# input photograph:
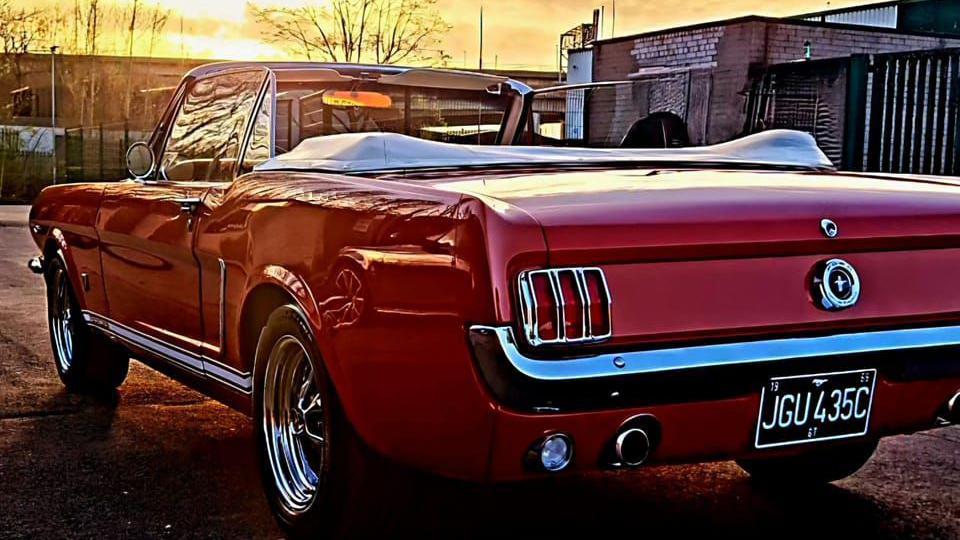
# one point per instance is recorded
(556, 452)
(564, 305)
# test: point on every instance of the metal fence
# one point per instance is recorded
(98, 153)
(895, 112)
(809, 97)
(32, 158)
(26, 161)
(913, 113)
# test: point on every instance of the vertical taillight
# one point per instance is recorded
(572, 304)
(598, 302)
(545, 307)
(565, 305)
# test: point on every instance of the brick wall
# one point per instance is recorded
(612, 110)
(683, 48)
(785, 42)
(732, 48)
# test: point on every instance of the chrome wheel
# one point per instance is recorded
(62, 323)
(293, 424)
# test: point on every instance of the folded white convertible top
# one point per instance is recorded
(373, 152)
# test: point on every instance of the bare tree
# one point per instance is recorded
(156, 23)
(381, 31)
(21, 31)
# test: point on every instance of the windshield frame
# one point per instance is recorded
(515, 94)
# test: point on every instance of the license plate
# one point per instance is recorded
(807, 408)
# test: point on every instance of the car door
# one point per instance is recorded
(147, 227)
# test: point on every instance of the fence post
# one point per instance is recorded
(100, 150)
(83, 168)
(855, 112)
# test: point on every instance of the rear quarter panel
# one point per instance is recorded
(402, 368)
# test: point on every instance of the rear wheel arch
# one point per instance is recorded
(257, 306)
(276, 287)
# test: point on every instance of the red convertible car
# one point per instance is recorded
(299, 243)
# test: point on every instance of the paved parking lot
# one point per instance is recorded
(160, 461)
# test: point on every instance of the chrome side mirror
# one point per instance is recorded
(140, 160)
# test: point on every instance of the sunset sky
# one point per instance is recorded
(518, 33)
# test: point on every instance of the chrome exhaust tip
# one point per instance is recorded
(632, 447)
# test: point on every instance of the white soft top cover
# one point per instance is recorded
(372, 152)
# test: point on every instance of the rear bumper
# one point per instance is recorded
(705, 399)
(702, 372)
(700, 431)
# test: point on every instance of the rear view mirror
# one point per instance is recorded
(140, 160)
(344, 98)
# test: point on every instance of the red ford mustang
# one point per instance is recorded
(298, 244)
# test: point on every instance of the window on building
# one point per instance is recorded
(23, 102)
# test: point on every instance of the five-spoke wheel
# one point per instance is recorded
(293, 424)
(62, 324)
(85, 359)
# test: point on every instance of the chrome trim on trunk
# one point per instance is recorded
(703, 356)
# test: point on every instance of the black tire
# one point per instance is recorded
(86, 360)
(348, 496)
(817, 466)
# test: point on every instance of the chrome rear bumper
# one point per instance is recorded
(723, 354)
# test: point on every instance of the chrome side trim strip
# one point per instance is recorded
(193, 362)
(223, 298)
(225, 374)
(139, 339)
(702, 356)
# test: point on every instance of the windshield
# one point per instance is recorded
(314, 109)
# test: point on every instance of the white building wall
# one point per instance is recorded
(579, 71)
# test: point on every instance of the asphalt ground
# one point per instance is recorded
(157, 460)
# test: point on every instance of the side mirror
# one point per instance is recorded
(140, 160)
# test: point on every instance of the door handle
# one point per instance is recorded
(188, 205)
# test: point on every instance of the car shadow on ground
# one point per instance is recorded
(130, 470)
(668, 502)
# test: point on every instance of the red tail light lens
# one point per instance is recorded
(545, 308)
(572, 304)
(598, 302)
(565, 305)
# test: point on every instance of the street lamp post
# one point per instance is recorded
(53, 107)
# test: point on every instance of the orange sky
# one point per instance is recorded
(518, 33)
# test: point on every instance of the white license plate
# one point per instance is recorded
(806, 408)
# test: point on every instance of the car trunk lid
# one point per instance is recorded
(700, 255)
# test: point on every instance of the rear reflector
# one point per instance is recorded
(564, 305)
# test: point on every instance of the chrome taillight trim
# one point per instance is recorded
(528, 305)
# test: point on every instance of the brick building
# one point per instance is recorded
(702, 72)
